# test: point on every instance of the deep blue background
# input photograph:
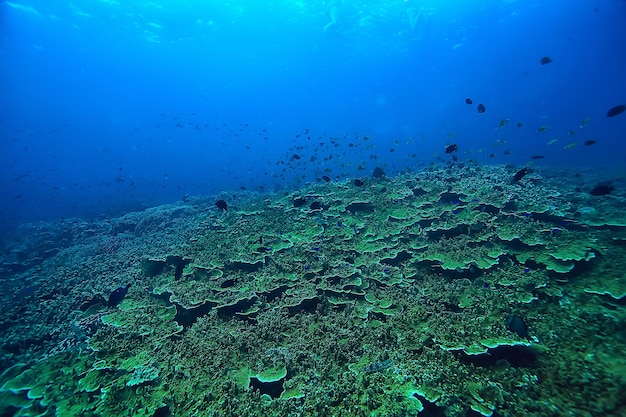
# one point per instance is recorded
(109, 106)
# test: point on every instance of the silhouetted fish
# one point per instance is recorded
(118, 295)
(295, 156)
(299, 202)
(468, 101)
(614, 111)
(520, 174)
(378, 173)
(545, 60)
(481, 108)
(516, 324)
(502, 123)
(452, 148)
(326, 178)
(590, 142)
(537, 157)
(358, 183)
(602, 189)
(221, 204)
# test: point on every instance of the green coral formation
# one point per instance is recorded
(390, 300)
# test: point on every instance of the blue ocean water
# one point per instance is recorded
(110, 106)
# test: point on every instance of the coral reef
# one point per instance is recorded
(387, 299)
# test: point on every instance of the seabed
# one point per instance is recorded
(389, 299)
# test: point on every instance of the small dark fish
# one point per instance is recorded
(118, 295)
(378, 173)
(358, 183)
(378, 366)
(520, 124)
(295, 156)
(537, 157)
(520, 174)
(614, 111)
(602, 189)
(221, 204)
(481, 108)
(452, 148)
(299, 202)
(545, 60)
(468, 101)
(516, 324)
(326, 178)
(590, 142)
